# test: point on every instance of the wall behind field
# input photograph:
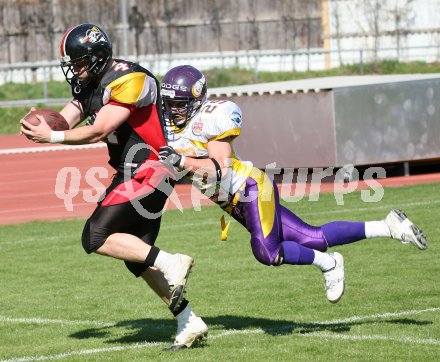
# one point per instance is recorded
(31, 30)
(382, 24)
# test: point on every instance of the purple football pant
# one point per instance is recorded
(278, 236)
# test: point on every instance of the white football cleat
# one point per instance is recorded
(403, 229)
(188, 333)
(335, 279)
(177, 273)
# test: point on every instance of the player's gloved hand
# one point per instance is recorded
(169, 156)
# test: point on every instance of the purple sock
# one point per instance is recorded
(296, 254)
(343, 232)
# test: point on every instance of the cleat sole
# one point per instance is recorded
(334, 301)
(197, 341)
(419, 239)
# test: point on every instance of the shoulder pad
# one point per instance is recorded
(131, 88)
(222, 119)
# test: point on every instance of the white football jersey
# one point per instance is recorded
(216, 119)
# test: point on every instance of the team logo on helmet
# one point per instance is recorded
(197, 88)
(93, 35)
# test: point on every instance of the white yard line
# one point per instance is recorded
(4, 319)
(333, 336)
(225, 333)
(36, 320)
(14, 151)
(371, 338)
(84, 352)
(379, 316)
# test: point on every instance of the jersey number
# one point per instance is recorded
(121, 66)
(209, 108)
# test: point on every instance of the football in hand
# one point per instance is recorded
(54, 119)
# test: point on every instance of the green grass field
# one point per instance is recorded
(57, 303)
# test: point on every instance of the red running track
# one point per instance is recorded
(35, 184)
(28, 183)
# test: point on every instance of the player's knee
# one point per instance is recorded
(260, 252)
(93, 237)
(136, 268)
(322, 247)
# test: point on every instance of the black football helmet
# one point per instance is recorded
(85, 45)
(183, 92)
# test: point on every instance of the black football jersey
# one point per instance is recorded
(129, 85)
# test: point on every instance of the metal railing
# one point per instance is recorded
(256, 60)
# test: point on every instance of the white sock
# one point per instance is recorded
(377, 229)
(185, 315)
(162, 261)
(323, 261)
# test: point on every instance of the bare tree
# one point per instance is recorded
(171, 8)
(379, 11)
(106, 14)
(153, 18)
(136, 22)
(216, 11)
(335, 13)
(254, 34)
(373, 11)
(289, 32)
(288, 24)
(73, 13)
(403, 16)
(24, 33)
(176, 25)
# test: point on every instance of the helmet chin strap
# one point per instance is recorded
(92, 76)
(83, 83)
(181, 123)
(191, 109)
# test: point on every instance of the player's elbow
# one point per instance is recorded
(101, 137)
(95, 138)
(98, 134)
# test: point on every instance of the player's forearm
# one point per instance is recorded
(205, 167)
(72, 113)
(195, 164)
(83, 135)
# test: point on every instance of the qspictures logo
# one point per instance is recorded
(306, 185)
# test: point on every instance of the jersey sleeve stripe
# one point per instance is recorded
(201, 145)
(229, 133)
(148, 94)
(129, 88)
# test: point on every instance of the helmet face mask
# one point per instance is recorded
(183, 92)
(75, 69)
(85, 48)
(178, 110)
